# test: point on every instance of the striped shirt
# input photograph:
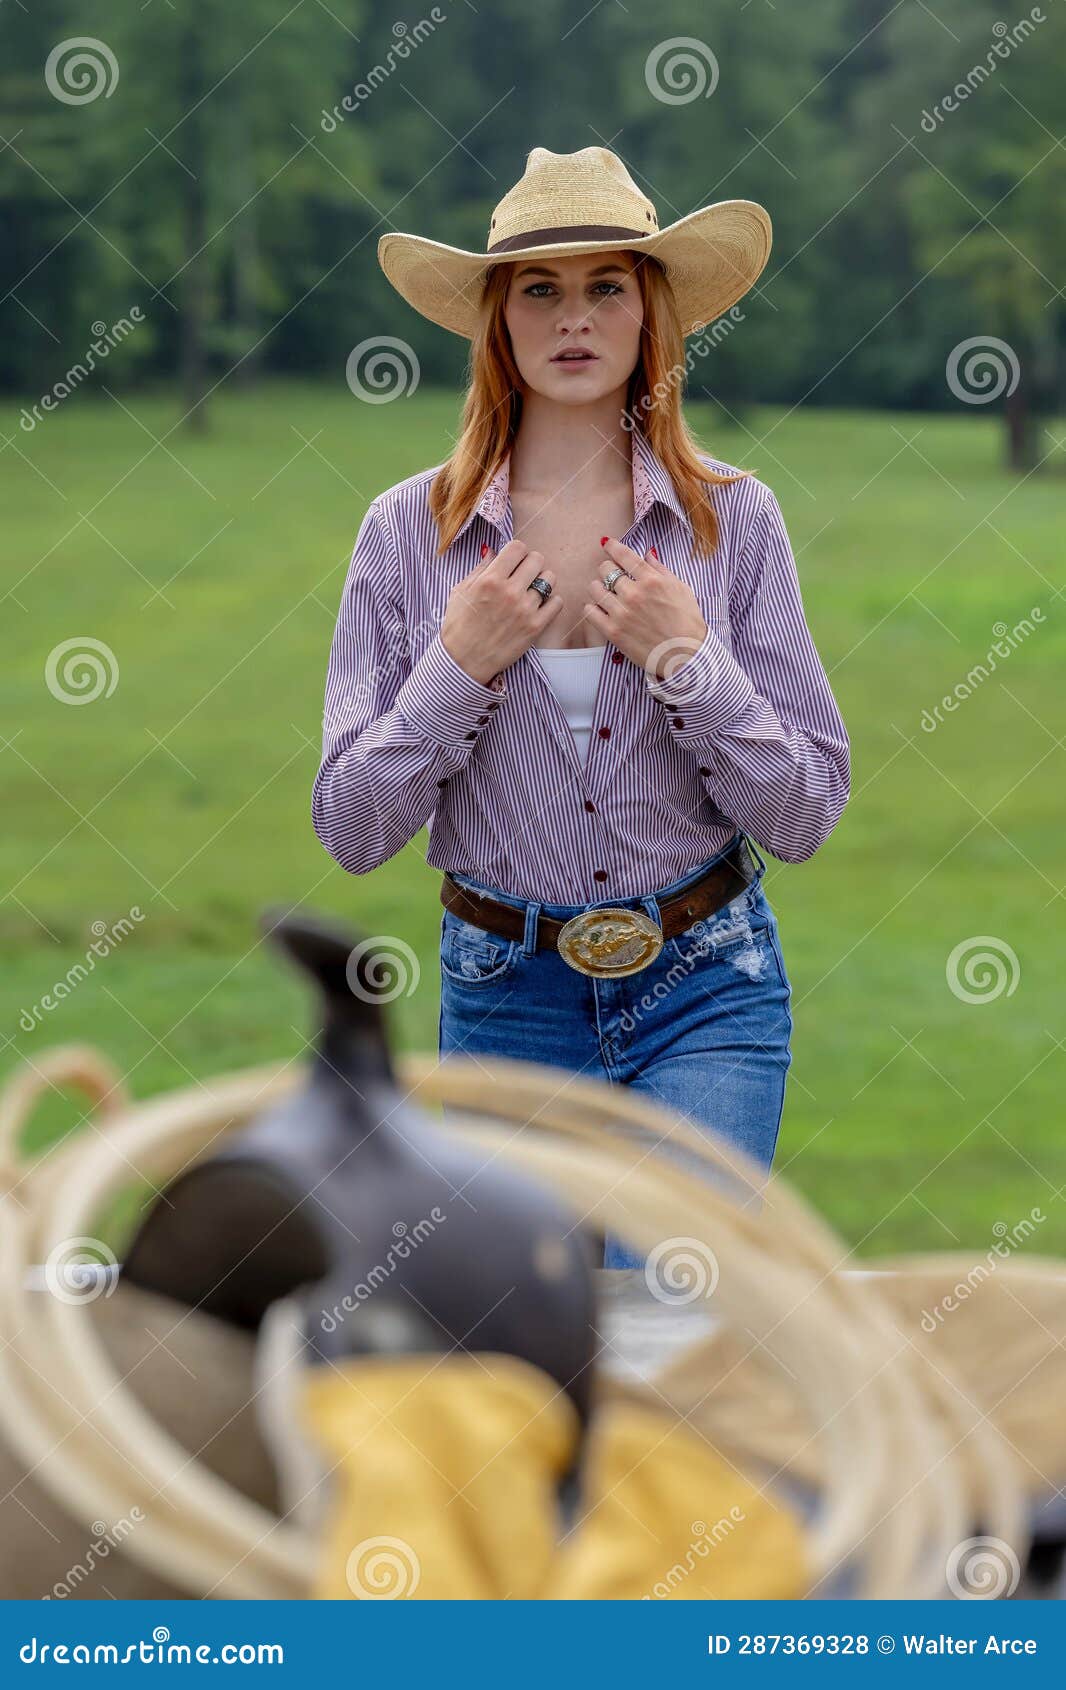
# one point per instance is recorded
(745, 734)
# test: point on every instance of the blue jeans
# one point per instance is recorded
(705, 1029)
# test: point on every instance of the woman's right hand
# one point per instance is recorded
(492, 615)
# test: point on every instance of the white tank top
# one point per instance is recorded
(574, 673)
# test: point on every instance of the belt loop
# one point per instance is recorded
(651, 907)
(529, 937)
(754, 849)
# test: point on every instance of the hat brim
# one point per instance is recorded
(712, 258)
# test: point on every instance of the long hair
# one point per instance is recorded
(493, 408)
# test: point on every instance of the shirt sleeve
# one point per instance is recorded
(772, 748)
(393, 733)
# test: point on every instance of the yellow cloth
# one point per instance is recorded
(445, 1487)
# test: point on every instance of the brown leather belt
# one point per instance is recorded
(613, 939)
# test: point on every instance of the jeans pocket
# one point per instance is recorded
(728, 929)
(473, 956)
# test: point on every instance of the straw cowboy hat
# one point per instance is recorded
(586, 202)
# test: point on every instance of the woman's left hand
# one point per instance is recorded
(647, 608)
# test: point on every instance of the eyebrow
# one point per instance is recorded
(545, 270)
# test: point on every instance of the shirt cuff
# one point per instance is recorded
(445, 703)
(707, 692)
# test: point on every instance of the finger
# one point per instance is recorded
(618, 553)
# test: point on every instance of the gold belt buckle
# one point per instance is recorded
(610, 942)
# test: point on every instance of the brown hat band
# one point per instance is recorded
(573, 232)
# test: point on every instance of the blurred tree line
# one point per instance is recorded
(909, 156)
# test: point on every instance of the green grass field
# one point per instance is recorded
(213, 568)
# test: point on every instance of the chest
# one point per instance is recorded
(567, 532)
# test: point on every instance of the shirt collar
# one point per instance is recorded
(652, 484)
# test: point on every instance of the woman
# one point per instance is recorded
(578, 651)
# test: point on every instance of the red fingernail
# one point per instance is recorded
(484, 551)
(605, 539)
(654, 554)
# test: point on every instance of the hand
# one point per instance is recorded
(492, 616)
(650, 613)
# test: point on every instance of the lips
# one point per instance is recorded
(574, 356)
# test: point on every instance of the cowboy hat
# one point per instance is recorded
(586, 202)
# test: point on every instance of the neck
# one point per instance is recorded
(582, 447)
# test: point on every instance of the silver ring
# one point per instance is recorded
(609, 580)
(539, 585)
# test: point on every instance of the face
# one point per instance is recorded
(586, 302)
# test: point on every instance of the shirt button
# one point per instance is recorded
(616, 656)
(599, 874)
(704, 771)
(679, 721)
(589, 805)
(605, 733)
(484, 718)
(442, 782)
(471, 736)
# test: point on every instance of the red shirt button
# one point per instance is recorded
(605, 733)
(589, 805)
(679, 722)
(442, 782)
(471, 736)
(599, 874)
(704, 771)
(616, 656)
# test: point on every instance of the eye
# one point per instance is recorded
(613, 287)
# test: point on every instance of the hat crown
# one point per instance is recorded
(587, 189)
